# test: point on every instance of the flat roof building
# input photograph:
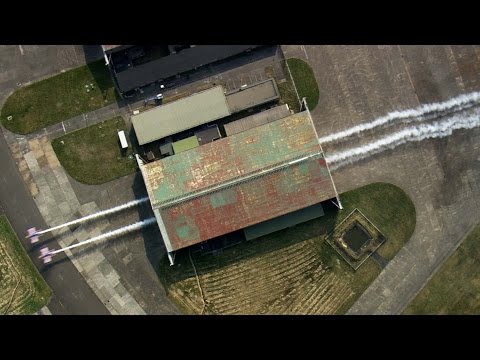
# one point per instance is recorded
(261, 118)
(186, 60)
(180, 115)
(237, 181)
(185, 144)
(208, 135)
(252, 95)
(202, 108)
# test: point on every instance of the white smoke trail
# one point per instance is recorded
(458, 103)
(415, 133)
(121, 231)
(96, 215)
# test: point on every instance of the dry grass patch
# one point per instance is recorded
(22, 288)
(455, 288)
(58, 98)
(292, 271)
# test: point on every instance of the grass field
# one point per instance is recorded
(305, 82)
(455, 288)
(22, 288)
(58, 98)
(92, 155)
(292, 271)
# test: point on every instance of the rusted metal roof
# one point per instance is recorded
(248, 203)
(238, 181)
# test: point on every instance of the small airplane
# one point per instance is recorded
(32, 235)
(45, 255)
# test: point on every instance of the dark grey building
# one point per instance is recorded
(136, 66)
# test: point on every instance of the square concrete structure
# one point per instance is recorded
(180, 115)
(238, 181)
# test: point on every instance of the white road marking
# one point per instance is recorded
(21, 49)
(305, 51)
(75, 53)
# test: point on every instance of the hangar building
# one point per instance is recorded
(238, 181)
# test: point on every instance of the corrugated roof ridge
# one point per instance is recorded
(237, 180)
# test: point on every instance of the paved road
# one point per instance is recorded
(72, 295)
(137, 271)
(360, 83)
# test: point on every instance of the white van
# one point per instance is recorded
(123, 139)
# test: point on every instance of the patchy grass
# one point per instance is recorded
(22, 288)
(285, 88)
(293, 271)
(455, 288)
(93, 155)
(58, 98)
(305, 82)
(396, 220)
(288, 95)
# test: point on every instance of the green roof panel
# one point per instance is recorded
(185, 144)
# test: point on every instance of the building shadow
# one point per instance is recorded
(100, 71)
(153, 242)
(204, 72)
(92, 53)
(224, 65)
(133, 141)
(105, 79)
(208, 262)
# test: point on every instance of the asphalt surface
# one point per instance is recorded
(360, 83)
(71, 293)
(363, 83)
(136, 269)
